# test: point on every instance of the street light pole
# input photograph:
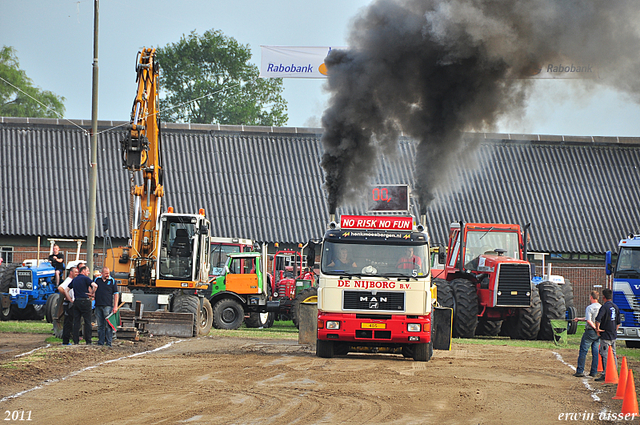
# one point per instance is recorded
(93, 174)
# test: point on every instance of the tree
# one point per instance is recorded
(208, 80)
(19, 97)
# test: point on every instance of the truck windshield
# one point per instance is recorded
(362, 259)
(219, 255)
(487, 241)
(628, 263)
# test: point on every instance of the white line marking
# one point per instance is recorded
(584, 380)
(85, 369)
(34, 350)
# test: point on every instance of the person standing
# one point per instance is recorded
(57, 261)
(590, 338)
(83, 290)
(67, 304)
(106, 302)
(607, 324)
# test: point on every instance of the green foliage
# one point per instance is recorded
(19, 102)
(209, 80)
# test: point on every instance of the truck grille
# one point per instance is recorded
(24, 279)
(366, 300)
(514, 283)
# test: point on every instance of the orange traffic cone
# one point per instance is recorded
(600, 368)
(611, 376)
(622, 383)
(630, 402)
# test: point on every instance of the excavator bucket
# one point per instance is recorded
(441, 326)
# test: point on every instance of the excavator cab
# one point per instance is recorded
(184, 247)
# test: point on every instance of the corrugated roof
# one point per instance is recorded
(580, 194)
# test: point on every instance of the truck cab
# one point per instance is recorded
(626, 288)
(375, 289)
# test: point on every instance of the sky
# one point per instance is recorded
(54, 44)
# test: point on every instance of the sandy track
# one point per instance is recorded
(244, 381)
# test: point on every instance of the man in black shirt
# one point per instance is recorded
(57, 261)
(83, 290)
(607, 323)
(106, 302)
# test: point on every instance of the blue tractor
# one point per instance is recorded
(24, 290)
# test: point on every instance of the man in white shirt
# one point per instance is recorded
(590, 338)
(67, 303)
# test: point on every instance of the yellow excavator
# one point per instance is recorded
(163, 272)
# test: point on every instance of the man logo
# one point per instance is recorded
(373, 305)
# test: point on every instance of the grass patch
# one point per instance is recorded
(27, 326)
(279, 330)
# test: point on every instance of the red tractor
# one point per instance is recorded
(293, 282)
(487, 282)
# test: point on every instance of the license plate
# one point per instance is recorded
(373, 325)
(14, 291)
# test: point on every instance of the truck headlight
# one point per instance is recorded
(20, 284)
(29, 285)
(413, 327)
(333, 325)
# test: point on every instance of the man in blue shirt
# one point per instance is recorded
(83, 291)
(106, 302)
(607, 323)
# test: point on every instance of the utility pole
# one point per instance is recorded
(93, 173)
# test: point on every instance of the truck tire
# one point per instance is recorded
(445, 293)
(572, 327)
(228, 314)
(9, 277)
(465, 308)
(258, 320)
(6, 313)
(295, 305)
(58, 321)
(38, 311)
(526, 324)
(553, 308)
(206, 318)
(324, 349)
(188, 304)
(422, 352)
(48, 313)
(567, 292)
(488, 327)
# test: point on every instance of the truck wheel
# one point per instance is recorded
(257, 320)
(526, 324)
(206, 318)
(324, 349)
(38, 312)
(9, 277)
(295, 305)
(48, 313)
(567, 292)
(422, 352)
(553, 308)
(445, 293)
(465, 308)
(188, 304)
(572, 326)
(488, 327)
(6, 313)
(228, 314)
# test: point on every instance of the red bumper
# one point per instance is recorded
(391, 329)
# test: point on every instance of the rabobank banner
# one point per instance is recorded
(564, 70)
(294, 62)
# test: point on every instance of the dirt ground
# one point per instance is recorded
(222, 380)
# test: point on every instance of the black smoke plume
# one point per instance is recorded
(433, 70)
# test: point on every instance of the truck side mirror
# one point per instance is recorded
(204, 230)
(442, 257)
(608, 266)
(311, 256)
